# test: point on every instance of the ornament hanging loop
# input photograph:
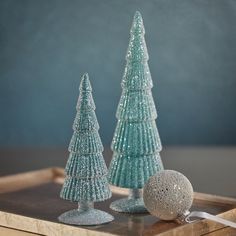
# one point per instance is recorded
(182, 218)
(204, 215)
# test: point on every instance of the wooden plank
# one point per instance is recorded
(4, 231)
(49, 228)
(44, 227)
(214, 199)
(26, 180)
(201, 227)
(223, 232)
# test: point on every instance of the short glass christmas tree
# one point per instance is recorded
(86, 172)
(136, 143)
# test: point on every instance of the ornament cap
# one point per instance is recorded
(137, 25)
(85, 83)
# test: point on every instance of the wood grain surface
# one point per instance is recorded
(4, 231)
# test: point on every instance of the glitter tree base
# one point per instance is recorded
(132, 204)
(85, 215)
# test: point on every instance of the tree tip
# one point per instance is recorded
(85, 83)
(137, 25)
(137, 14)
(85, 75)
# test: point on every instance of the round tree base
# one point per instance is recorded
(129, 205)
(85, 217)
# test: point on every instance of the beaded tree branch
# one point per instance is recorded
(86, 172)
(136, 143)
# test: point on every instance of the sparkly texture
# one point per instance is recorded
(136, 138)
(129, 205)
(87, 165)
(85, 84)
(137, 50)
(136, 143)
(136, 76)
(132, 204)
(85, 121)
(136, 105)
(80, 189)
(168, 195)
(137, 25)
(86, 171)
(85, 101)
(123, 169)
(85, 216)
(85, 143)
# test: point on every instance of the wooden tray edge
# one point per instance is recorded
(43, 227)
(201, 227)
(28, 179)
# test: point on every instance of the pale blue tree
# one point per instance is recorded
(86, 172)
(136, 143)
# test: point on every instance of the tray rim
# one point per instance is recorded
(29, 179)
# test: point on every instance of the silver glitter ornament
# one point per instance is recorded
(168, 195)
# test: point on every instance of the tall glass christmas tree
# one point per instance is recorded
(136, 143)
(86, 172)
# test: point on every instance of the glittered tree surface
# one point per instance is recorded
(136, 143)
(86, 172)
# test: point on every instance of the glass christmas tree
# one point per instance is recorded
(136, 143)
(86, 172)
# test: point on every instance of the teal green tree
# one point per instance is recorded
(136, 143)
(86, 172)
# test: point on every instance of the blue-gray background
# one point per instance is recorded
(45, 46)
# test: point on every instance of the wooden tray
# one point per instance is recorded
(30, 202)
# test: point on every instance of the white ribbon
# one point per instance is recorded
(199, 214)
